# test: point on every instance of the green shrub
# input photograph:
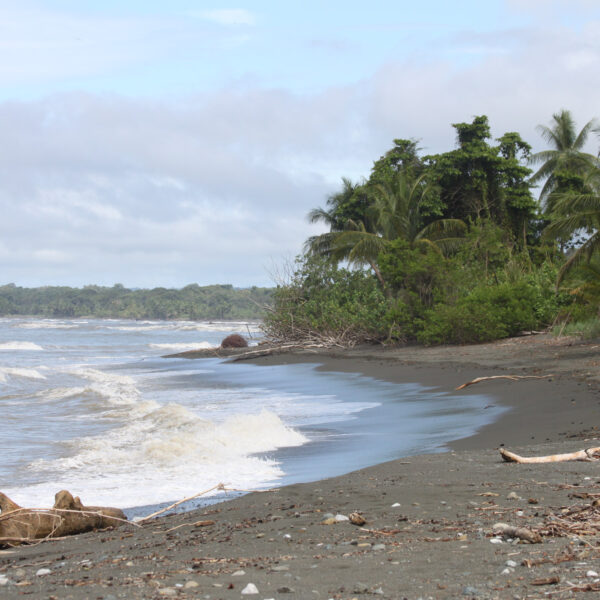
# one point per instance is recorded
(323, 301)
(487, 313)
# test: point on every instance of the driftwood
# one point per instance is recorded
(590, 454)
(68, 516)
(521, 533)
(219, 486)
(511, 377)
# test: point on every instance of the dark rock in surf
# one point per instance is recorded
(234, 341)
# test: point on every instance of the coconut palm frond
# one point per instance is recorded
(584, 252)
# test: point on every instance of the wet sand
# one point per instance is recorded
(429, 518)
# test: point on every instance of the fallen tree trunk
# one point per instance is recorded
(590, 454)
(68, 517)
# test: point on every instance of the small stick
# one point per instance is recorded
(511, 377)
(219, 486)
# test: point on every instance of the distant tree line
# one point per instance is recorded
(192, 302)
(454, 247)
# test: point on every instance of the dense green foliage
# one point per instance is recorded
(456, 248)
(189, 303)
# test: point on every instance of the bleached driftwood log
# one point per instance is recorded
(590, 454)
(521, 533)
(511, 377)
(20, 525)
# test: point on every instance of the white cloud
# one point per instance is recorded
(215, 186)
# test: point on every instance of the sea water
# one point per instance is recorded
(92, 406)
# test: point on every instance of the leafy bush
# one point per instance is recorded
(325, 302)
(487, 313)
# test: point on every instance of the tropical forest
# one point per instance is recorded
(484, 241)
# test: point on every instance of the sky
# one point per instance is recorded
(155, 143)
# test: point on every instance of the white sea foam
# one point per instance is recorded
(19, 346)
(45, 325)
(167, 454)
(182, 346)
(116, 391)
(6, 372)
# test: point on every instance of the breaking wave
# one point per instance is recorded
(19, 346)
(181, 346)
(166, 454)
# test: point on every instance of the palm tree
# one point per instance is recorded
(346, 204)
(577, 212)
(566, 158)
(396, 211)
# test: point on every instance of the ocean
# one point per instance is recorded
(92, 406)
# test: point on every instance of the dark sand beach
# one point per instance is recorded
(429, 518)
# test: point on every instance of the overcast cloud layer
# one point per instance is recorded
(105, 179)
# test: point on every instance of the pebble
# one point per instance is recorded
(510, 563)
(514, 496)
(190, 584)
(3, 579)
(396, 505)
(591, 574)
(379, 547)
(280, 568)
(470, 591)
(378, 591)
(495, 540)
(250, 589)
(507, 571)
(360, 588)
(287, 536)
(285, 590)
(167, 592)
(41, 572)
(340, 518)
(238, 573)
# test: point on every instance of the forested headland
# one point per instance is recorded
(192, 302)
(481, 242)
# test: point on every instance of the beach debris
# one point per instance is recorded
(219, 486)
(203, 523)
(42, 572)
(546, 580)
(522, 533)
(510, 377)
(587, 455)
(357, 519)
(331, 519)
(250, 589)
(234, 341)
(68, 516)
